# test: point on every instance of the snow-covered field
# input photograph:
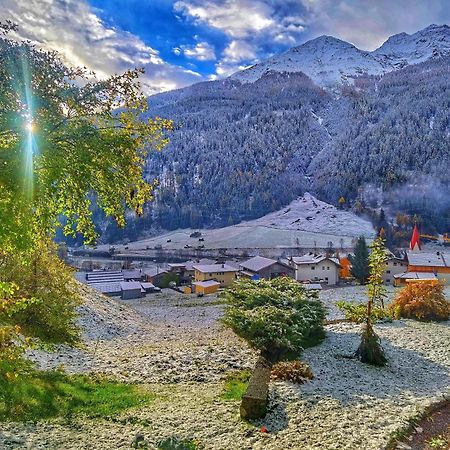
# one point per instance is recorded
(306, 222)
(174, 345)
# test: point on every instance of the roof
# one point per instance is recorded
(437, 259)
(104, 276)
(154, 271)
(206, 261)
(148, 285)
(416, 276)
(132, 274)
(415, 239)
(312, 258)
(214, 268)
(209, 283)
(257, 263)
(106, 288)
(130, 285)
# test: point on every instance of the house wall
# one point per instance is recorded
(393, 267)
(325, 270)
(224, 278)
(443, 273)
(206, 290)
(131, 294)
(275, 270)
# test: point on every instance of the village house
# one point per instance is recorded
(260, 267)
(131, 290)
(154, 275)
(206, 287)
(401, 279)
(437, 263)
(394, 266)
(423, 266)
(318, 268)
(222, 273)
(186, 269)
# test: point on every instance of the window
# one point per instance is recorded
(313, 268)
(323, 267)
(328, 267)
(388, 271)
(395, 264)
(388, 280)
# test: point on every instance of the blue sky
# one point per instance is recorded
(180, 42)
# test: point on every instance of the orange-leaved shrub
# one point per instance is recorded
(421, 301)
(293, 371)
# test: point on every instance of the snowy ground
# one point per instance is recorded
(175, 346)
(306, 222)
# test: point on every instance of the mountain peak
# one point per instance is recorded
(330, 61)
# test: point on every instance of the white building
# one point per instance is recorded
(316, 268)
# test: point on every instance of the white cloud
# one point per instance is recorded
(73, 28)
(202, 51)
(237, 51)
(237, 18)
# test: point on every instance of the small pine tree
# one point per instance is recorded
(360, 261)
(370, 350)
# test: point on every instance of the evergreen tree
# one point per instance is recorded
(360, 261)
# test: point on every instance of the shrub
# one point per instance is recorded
(274, 316)
(293, 371)
(357, 312)
(168, 278)
(370, 350)
(421, 301)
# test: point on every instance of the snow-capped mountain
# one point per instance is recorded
(329, 61)
(403, 49)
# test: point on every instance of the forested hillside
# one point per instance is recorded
(243, 149)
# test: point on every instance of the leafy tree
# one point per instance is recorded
(68, 142)
(276, 317)
(370, 350)
(360, 261)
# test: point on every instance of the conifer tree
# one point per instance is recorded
(360, 261)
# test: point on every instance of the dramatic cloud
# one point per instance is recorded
(251, 25)
(180, 42)
(73, 28)
(202, 51)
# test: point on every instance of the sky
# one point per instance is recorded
(181, 42)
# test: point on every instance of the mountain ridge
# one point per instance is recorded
(329, 61)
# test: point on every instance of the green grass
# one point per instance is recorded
(40, 395)
(235, 385)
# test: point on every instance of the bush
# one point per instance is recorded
(357, 312)
(370, 350)
(293, 371)
(168, 278)
(51, 294)
(421, 301)
(276, 316)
